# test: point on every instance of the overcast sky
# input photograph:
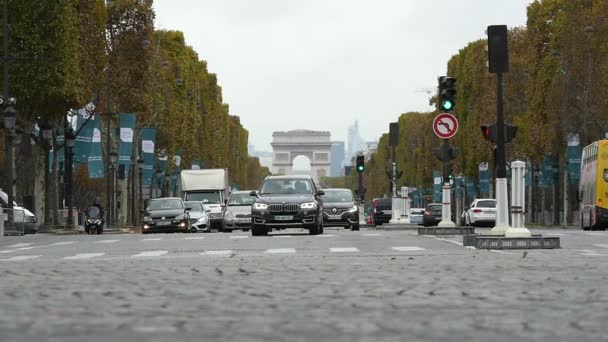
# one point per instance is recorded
(322, 64)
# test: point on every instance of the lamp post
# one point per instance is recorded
(47, 137)
(140, 167)
(70, 140)
(112, 178)
(10, 118)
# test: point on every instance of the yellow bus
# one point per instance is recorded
(593, 186)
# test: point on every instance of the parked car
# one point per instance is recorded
(199, 219)
(238, 211)
(287, 202)
(340, 209)
(164, 215)
(432, 215)
(383, 210)
(416, 215)
(482, 212)
(21, 216)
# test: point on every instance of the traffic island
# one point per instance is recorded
(535, 241)
(446, 230)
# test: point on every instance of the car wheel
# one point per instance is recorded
(355, 227)
(259, 230)
(315, 229)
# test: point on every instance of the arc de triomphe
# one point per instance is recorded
(314, 145)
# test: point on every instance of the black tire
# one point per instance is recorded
(314, 229)
(259, 230)
(354, 227)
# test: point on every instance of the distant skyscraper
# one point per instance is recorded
(337, 158)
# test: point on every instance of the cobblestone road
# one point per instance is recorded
(342, 286)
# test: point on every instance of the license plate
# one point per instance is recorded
(283, 218)
(163, 223)
(334, 217)
(243, 220)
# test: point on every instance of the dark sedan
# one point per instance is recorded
(166, 215)
(339, 209)
(432, 215)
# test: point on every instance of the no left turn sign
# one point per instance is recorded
(445, 125)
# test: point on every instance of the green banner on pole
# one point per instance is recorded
(95, 159)
(148, 142)
(127, 134)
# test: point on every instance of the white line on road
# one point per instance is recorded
(240, 237)
(343, 249)
(595, 234)
(195, 238)
(499, 251)
(408, 248)
(62, 243)
(107, 241)
(84, 256)
(601, 245)
(19, 245)
(280, 236)
(594, 254)
(224, 252)
(150, 254)
(373, 234)
(152, 239)
(324, 235)
(23, 257)
(454, 242)
(280, 250)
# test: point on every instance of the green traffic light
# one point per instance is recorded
(447, 105)
(360, 168)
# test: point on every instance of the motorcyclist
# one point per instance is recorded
(97, 203)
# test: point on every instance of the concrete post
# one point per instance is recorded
(1, 223)
(502, 208)
(517, 201)
(405, 193)
(446, 208)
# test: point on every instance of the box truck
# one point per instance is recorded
(209, 186)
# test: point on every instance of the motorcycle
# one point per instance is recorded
(93, 221)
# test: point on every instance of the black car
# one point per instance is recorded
(339, 209)
(432, 215)
(287, 202)
(383, 210)
(166, 215)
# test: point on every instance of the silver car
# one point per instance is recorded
(199, 219)
(416, 215)
(238, 211)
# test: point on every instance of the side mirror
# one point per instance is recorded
(253, 193)
(188, 209)
(320, 192)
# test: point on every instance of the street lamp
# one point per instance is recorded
(112, 178)
(140, 167)
(70, 141)
(10, 118)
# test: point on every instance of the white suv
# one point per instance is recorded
(481, 212)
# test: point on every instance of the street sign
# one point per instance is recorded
(445, 125)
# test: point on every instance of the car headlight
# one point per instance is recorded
(309, 205)
(203, 219)
(353, 209)
(229, 215)
(180, 217)
(147, 218)
(260, 206)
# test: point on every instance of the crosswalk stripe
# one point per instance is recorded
(601, 245)
(195, 238)
(150, 254)
(372, 234)
(152, 239)
(280, 250)
(324, 235)
(240, 237)
(408, 248)
(107, 241)
(280, 236)
(343, 249)
(20, 245)
(84, 256)
(23, 257)
(62, 243)
(223, 252)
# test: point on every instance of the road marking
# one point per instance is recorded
(454, 242)
(373, 234)
(195, 238)
(223, 252)
(9, 251)
(23, 257)
(107, 241)
(19, 245)
(499, 251)
(84, 256)
(594, 254)
(324, 235)
(343, 249)
(595, 234)
(25, 248)
(150, 254)
(556, 234)
(62, 243)
(280, 250)
(601, 245)
(408, 248)
(152, 239)
(280, 236)
(240, 237)
(585, 250)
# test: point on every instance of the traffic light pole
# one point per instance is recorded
(446, 201)
(502, 202)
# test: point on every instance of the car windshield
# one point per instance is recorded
(434, 208)
(287, 186)
(240, 200)
(194, 206)
(205, 197)
(341, 196)
(486, 204)
(165, 204)
(417, 211)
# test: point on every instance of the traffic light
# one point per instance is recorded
(489, 132)
(360, 164)
(447, 93)
(510, 132)
(450, 173)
